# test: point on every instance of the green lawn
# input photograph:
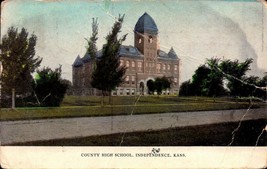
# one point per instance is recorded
(205, 135)
(86, 106)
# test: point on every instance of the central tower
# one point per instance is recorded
(146, 41)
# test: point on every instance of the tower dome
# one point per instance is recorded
(146, 24)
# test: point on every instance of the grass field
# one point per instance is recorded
(87, 106)
(206, 135)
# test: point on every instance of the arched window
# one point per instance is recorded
(139, 40)
(127, 79)
(133, 63)
(158, 67)
(164, 66)
(121, 62)
(139, 64)
(150, 39)
(169, 67)
(127, 63)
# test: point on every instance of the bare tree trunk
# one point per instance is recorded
(13, 99)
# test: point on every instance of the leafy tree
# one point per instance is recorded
(186, 89)
(254, 86)
(92, 48)
(70, 87)
(151, 86)
(234, 72)
(198, 79)
(18, 59)
(248, 87)
(262, 93)
(206, 81)
(213, 85)
(108, 73)
(162, 83)
(49, 88)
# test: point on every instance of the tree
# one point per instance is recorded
(18, 60)
(206, 81)
(49, 87)
(262, 93)
(209, 79)
(234, 72)
(162, 83)
(186, 89)
(92, 48)
(248, 87)
(108, 73)
(151, 86)
(198, 80)
(213, 85)
(254, 86)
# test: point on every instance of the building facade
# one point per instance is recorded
(144, 61)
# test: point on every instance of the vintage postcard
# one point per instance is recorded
(133, 84)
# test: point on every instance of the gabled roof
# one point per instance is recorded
(78, 62)
(172, 54)
(162, 54)
(146, 24)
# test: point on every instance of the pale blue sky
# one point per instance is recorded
(195, 29)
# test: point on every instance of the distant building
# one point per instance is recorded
(144, 61)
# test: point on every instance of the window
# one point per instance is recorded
(164, 66)
(175, 80)
(127, 79)
(140, 64)
(121, 91)
(169, 67)
(133, 91)
(150, 39)
(121, 62)
(139, 40)
(133, 63)
(158, 67)
(133, 79)
(128, 91)
(175, 67)
(127, 63)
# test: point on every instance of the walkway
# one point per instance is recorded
(34, 130)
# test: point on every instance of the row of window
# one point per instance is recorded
(128, 92)
(150, 40)
(127, 79)
(164, 66)
(133, 92)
